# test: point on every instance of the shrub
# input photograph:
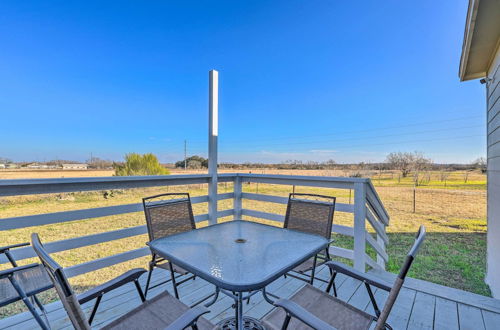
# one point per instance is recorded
(136, 164)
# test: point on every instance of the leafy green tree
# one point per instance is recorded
(137, 164)
(194, 161)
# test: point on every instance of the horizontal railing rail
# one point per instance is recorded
(49, 186)
(366, 208)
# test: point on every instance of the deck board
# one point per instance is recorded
(360, 299)
(401, 311)
(491, 320)
(414, 309)
(470, 317)
(347, 289)
(422, 313)
(446, 315)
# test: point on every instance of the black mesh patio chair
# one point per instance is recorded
(313, 308)
(24, 283)
(168, 214)
(161, 312)
(312, 214)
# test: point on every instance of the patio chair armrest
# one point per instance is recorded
(365, 277)
(188, 318)
(129, 276)
(13, 246)
(302, 314)
(7, 272)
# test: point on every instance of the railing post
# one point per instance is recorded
(213, 132)
(359, 225)
(237, 205)
(380, 260)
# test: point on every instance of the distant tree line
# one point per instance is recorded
(100, 164)
(287, 165)
(405, 162)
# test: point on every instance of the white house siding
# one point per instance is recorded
(493, 154)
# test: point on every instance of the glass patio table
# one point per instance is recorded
(239, 257)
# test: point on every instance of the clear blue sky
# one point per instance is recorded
(310, 80)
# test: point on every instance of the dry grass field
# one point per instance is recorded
(454, 212)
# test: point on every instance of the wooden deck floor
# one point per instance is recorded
(421, 305)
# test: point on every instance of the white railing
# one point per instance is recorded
(367, 209)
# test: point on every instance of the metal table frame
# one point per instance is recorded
(237, 291)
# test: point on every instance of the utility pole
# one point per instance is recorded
(185, 155)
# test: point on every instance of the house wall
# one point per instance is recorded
(493, 155)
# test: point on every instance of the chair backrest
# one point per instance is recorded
(63, 288)
(398, 283)
(310, 213)
(168, 214)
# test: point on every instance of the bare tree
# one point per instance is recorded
(406, 162)
(480, 164)
(418, 163)
(444, 175)
(466, 176)
(98, 163)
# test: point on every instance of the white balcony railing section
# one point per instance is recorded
(367, 209)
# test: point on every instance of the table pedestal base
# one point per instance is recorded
(249, 323)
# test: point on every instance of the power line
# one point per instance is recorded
(365, 137)
(391, 143)
(376, 129)
(236, 141)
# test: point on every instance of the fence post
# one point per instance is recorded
(359, 225)
(414, 199)
(237, 205)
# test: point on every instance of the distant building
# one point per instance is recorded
(33, 166)
(11, 165)
(2, 165)
(74, 166)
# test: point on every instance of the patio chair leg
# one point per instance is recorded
(313, 271)
(139, 290)
(35, 314)
(151, 267)
(40, 305)
(286, 322)
(372, 299)
(28, 303)
(328, 258)
(331, 284)
(94, 310)
(174, 283)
